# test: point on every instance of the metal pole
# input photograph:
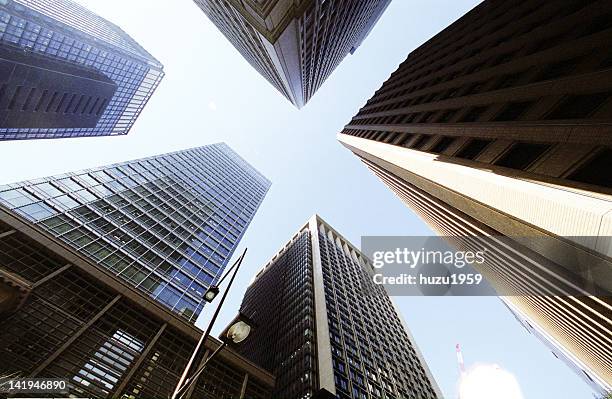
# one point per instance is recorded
(192, 380)
(181, 384)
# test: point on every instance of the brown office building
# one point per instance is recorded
(294, 44)
(61, 316)
(501, 125)
(325, 335)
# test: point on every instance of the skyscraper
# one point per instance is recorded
(295, 44)
(500, 126)
(166, 224)
(559, 351)
(67, 72)
(325, 335)
(61, 316)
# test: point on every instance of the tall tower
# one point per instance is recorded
(67, 72)
(166, 224)
(295, 44)
(322, 333)
(499, 126)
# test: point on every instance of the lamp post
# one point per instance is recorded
(211, 293)
(184, 383)
(238, 330)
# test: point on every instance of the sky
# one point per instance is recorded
(211, 94)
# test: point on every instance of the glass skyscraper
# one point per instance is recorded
(61, 317)
(64, 32)
(166, 224)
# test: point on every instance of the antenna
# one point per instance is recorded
(460, 360)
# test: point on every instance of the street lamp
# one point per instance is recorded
(239, 332)
(235, 333)
(211, 293)
(184, 383)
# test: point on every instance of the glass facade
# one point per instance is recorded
(166, 224)
(64, 30)
(107, 343)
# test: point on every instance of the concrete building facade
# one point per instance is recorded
(295, 44)
(559, 351)
(322, 333)
(501, 126)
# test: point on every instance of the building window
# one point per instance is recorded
(406, 139)
(509, 80)
(579, 106)
(473, 114)
(472, 149)
(513, 111)
(558, 69)
(446, 116)
(522, 155)
(420, 141)
(597, 171)
(443, 144)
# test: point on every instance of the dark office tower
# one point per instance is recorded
(500, 125)
(320, 335)
(166, 225)
(66, 72)
(61, 316)
(295, 44)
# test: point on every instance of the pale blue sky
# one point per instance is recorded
(211, 94)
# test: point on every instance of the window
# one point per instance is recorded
(421, 141)
(443, 144)
(70, 184)
(66, 202)
(17, 197)
(558, 70)
(472, 149)
(473, 114)
(341, 382)
(508, 80)
(597, 171)
(37, 211)
(513, 111)
(339, 365)
(407, 137)
(446, 116)
(48, 189)
(522, 155)
(580, 106)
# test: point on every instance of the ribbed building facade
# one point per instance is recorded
(323, 333)
(67, 72)
(500, 126)
(559, 351)
(62, 316)
(166, 224)
(295, 44)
